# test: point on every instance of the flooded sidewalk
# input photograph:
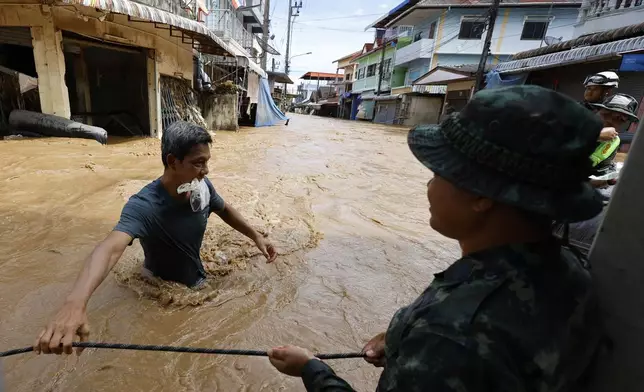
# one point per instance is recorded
(344, 202)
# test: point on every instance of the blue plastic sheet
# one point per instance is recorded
(493, 79)
(268, 114)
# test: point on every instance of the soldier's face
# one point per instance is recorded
(455, 213)
(595, 94)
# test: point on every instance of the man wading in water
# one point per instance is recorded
(169, 218)
(517, 312)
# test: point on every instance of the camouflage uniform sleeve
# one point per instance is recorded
(428, 361)
(319, 377)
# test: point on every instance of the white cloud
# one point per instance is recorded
(384, 5)
(359, 11)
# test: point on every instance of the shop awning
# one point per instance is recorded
(576, 55)
(190, 31)
(244, 61)
(279, 77)
(443, 75)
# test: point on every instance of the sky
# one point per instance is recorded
(330, 29)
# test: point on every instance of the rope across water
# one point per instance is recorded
(174, 349)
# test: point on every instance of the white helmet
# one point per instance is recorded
(606, 79)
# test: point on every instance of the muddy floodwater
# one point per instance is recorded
(344, 202)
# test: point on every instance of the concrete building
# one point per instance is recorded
(451, 33)
(596, 16)
(348, 66)
(104, 62)
(563, 66)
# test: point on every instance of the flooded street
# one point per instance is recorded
(344, 202)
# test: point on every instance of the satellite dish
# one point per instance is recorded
(552, 40)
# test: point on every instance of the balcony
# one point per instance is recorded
(371, 83)
(421, 49)
(253, 14)
(226, 25)
(600, 15)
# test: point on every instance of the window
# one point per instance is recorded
(348, 77)
(371, 70)
(387, 67)
(535, 28)
(418, 36)
(472, 28)
(432, 30)
(360, 73)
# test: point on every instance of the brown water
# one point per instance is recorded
(345, 203)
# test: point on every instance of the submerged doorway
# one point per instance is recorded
(107, 85)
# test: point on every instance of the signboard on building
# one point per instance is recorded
(632, 63)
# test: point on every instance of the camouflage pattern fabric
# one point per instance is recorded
(519, 318)
(524, 146)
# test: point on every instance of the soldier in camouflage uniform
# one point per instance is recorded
(517, 313)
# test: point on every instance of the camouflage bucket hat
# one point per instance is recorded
(525, 146)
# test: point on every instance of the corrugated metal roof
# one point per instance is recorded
(321, 76)
(210, 43)
(279, 77)
(572, 56)
(587, 40)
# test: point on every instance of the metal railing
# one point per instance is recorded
(177, 7)
(598, 8)
(225, 24)
(398, 31)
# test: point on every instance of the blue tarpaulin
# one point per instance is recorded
(268, 114)
(493, 79)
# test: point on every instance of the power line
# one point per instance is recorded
(337, 17)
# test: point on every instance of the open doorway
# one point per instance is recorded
(107, 85)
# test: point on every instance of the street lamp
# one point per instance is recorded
(289, 61)
(298, 55)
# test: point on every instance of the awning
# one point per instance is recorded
(441, 75)
(190, 31)
(279, 77)
(244, 61)
(576, 55)
(387, 97)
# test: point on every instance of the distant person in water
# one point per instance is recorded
(169, 218)
(517, 312)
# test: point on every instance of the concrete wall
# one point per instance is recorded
(612, 20)
(371, 83)
(170, 56)
(423, 110)
(220, 111)
(506, 38)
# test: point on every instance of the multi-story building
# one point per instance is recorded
(451, 33)
(344, 87)
(596, 15)
(111, 64)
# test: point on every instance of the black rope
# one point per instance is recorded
(191, 350)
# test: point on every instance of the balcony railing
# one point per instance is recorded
(421, 49)
(599, 8)
(398, 31)
(225, 24)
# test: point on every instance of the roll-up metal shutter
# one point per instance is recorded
(16, 36)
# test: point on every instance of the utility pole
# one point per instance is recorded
(291, 16)
(289, 33)
(382, 65)
(493, 12)
(267, 22)
(273, 67)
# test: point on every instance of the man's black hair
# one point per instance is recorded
(180, 138)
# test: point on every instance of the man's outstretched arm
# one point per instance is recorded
(71, 319)
(235, 220)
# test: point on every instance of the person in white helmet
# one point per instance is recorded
(598, 87)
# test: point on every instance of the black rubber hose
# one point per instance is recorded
(191, 350)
